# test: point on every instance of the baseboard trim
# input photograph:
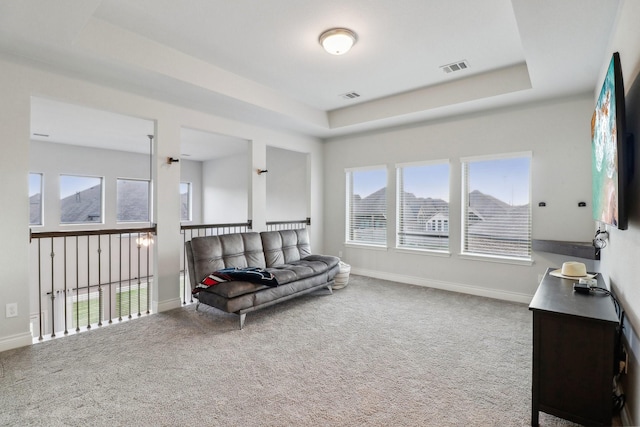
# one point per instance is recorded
(15, 341)
(447, 286)
(161, 306)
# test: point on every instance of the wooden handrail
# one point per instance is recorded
(47, 234)
(237, 224)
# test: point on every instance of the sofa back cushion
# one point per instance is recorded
(285, 246)
(211, 253)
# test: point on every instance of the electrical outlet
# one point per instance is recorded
(339, 254)
(12, 309)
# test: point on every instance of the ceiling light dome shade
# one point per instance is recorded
(338, 41)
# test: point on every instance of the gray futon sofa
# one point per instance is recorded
(285, 253)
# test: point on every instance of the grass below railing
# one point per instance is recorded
(127, 303)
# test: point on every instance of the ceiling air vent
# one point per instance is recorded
(350, 95)
(456, 66)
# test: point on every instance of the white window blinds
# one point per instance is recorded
(497, 206)
(367, 206)
(423, 206)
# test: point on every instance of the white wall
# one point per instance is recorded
(287, 186)
(558, 135)
(619, 264)
(226, 189)
(74, 160)
(15, 107)
(19, 82)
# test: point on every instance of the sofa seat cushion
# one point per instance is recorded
(263, 296)
(234, 288)
(310, 266)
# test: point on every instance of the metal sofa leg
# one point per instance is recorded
(330, 289)
(242, 317)
(197, 305)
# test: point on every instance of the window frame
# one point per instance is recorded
(348, 213)
(510, 259)
(400, 167)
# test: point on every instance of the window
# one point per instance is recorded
(423, 206)
(80, 199)
(367, 206)
(132, 200)
(497, 206)
(185, 201)
(35, 199)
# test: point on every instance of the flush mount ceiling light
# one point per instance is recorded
(338, 41)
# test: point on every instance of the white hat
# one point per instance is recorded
(572, 270)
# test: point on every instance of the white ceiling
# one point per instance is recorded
(55, 121)
(260, 61)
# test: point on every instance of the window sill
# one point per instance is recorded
(496, 259)
(370, 246)
(443, 254)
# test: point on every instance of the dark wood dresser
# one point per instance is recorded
(573, 352)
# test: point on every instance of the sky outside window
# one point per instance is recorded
(427, 181)
(504, 179)
(367, 182)
(35, 184)
(72, 184)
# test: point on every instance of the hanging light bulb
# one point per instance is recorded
(145, 240)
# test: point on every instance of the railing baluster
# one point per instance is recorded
(110, 281)
(288, 225)
(88, 282)
(53, 297)
(100, 310)
(53, 320)
(40, 314)
(184, 266)
(99, 281)
(119, 297)
(77, 286)
(64, 279)
(59, 283)
(129, 293)
(139, 244)
(148, 281)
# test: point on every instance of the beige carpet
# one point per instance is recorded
(375, 353)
